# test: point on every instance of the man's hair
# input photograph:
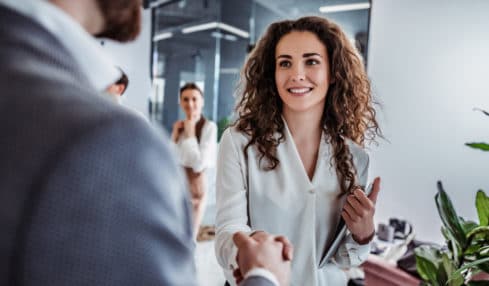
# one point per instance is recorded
(191, 85)
(124, 80)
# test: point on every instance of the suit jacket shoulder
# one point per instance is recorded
(90, 195)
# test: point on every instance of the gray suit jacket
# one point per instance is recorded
(89, 194)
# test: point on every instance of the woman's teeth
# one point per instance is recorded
(300, 90)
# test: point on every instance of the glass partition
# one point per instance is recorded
(206, 41)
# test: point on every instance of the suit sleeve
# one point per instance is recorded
(111, 210)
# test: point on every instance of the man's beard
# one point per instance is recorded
(122, 19)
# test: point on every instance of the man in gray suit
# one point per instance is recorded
(89, 194)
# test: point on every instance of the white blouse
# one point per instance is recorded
(284, 201)
(199, 156)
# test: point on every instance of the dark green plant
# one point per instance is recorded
(467, 251)
(479, 145)
(222, 124)
(467, 243)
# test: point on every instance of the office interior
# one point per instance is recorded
(427, 61)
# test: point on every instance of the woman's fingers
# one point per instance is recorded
(288, 249)
(354, 202)
(375, 190)
(354, 209)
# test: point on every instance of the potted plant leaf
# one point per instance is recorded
(467, 243)
(479, 145)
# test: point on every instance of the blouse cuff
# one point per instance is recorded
(356, 253)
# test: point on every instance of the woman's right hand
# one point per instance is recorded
(177, 126)
(287, 252)
(263, 250)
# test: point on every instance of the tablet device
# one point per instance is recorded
(340, 233)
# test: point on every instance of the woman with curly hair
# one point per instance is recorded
(294, 163)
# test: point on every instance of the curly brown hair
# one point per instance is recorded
(348, 111)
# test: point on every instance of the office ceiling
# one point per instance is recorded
(186, 12)
(178, 14)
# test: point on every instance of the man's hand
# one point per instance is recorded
(263, 251)
(287, 252)
(358, 213)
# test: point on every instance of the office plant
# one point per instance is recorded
(467, 242)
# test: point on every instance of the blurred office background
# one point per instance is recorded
(207, 42)
(427, 59)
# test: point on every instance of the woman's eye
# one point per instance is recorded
(284, 64)
(312, 62)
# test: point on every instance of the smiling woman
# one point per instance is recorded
(294, 161)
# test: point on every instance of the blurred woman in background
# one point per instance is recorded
(196, 141)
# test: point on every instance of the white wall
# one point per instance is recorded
(134, 59)
(429, 65)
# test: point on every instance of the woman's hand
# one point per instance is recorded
(358, 213)
(177, 126)
(288, 247)
(263, 250)
(189, 127)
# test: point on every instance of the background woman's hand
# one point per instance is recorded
(358, 213)
(189, 127)
(177, 126)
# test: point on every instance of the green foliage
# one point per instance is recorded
(479, 145)
(222, 124)
(467, 241)
(449, 216)
(482, 205)
(428, 261)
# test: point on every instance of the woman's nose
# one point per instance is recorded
(298, 74)
(298, 77)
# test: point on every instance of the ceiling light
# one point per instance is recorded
(230, 37)
(201, 27)
(162, 36)
(345, 7)
(216, 25)
(234, 30)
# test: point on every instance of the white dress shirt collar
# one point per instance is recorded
(96, 66)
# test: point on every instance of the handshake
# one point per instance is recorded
(263, 251)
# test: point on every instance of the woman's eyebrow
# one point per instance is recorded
(284, 56)
(306, 55)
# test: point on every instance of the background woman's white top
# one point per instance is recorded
(195, 155)
(285, 201)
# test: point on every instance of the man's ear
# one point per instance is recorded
(120, 89)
